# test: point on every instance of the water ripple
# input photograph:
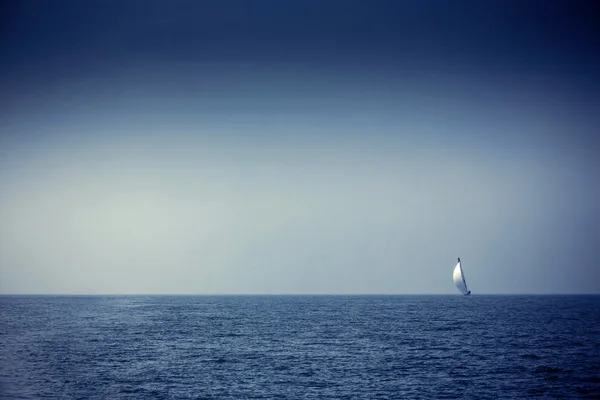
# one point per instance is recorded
(336, 347)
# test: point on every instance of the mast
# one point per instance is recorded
(462, 274)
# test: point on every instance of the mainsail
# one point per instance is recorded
(459, 279)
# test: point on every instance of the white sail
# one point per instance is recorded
(459, 280)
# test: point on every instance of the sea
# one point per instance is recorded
(300, 347)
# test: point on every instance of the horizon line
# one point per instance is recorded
(298, 294)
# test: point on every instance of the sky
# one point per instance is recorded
(299, 147)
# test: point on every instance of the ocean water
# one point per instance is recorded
(309, 347)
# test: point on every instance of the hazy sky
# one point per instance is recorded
(296, 147)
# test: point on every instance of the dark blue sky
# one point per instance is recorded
(66, 37)
(56, 44)
(182, 47)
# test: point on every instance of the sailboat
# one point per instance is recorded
(459, 279)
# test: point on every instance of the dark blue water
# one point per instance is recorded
(299, 347)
